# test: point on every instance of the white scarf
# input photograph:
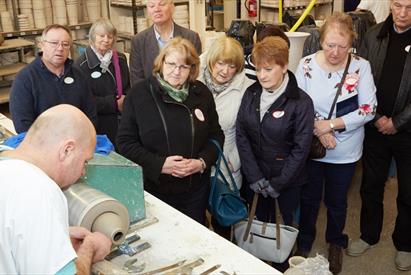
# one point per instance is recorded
(104, 60)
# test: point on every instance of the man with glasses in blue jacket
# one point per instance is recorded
(48, 81)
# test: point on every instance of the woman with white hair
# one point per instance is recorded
(107, 74)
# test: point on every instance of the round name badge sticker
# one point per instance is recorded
(278, 114)
(199, 114)
(407, 48)
(69, 80)
(95, 74)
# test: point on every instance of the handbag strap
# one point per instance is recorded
(277, 225)
(218, 171)
(117, 73)
(339, 87)
(251, 217)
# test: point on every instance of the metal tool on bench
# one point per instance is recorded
(211, 269)
(164, 268)
(187, 268)
(127, 250)
(124, 248)
(130, 266)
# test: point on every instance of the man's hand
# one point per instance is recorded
(101, 244)
(90, 247)
(379, 123)
(388, 128)
(77, 235)
(328, 141)
(82, 239)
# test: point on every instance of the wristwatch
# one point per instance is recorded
(332, 126)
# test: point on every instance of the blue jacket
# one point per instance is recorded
(277, 147)
(36, 89)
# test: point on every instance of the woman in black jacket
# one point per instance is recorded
(274, 132)
(167, 123)
(98, 63)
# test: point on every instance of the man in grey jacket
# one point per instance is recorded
(146, 45)
(387, 47)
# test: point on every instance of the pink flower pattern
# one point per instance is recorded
(366, 109)
(350, 83)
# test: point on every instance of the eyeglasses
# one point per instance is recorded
(173, 66)
(55, 44)
(332, 46)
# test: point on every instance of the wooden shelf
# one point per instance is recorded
(127, 6)
(4, 95)
(15, 44)
(125, 35)
(11, 69)
(39, 31)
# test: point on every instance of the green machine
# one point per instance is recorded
(119, 178)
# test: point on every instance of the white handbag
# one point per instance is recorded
(271, 242)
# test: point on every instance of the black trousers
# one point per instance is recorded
(192, 203)
(379, 149)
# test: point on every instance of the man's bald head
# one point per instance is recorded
(59, 123)
(60, 142)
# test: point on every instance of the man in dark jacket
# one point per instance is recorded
(146, 45)
(48, 81)
(387, 47)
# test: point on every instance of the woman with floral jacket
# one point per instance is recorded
(319, 75)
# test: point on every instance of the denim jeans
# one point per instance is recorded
(330, 181)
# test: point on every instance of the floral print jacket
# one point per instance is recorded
(355, 105)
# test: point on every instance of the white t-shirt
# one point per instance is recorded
(34, 230)
(380, 8)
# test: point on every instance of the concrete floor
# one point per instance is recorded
(378, 260)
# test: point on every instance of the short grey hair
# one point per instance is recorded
(102, 24)
(55, 27)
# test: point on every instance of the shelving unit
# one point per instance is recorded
(215, 15)
(134, 8)
(13, 34)
(268, 9)
(12, 45)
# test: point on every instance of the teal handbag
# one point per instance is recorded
(225, 202)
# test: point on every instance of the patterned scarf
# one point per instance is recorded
(178, 95)
(213, 87)
(105, 59)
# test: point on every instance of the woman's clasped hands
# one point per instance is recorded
(181, 167)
